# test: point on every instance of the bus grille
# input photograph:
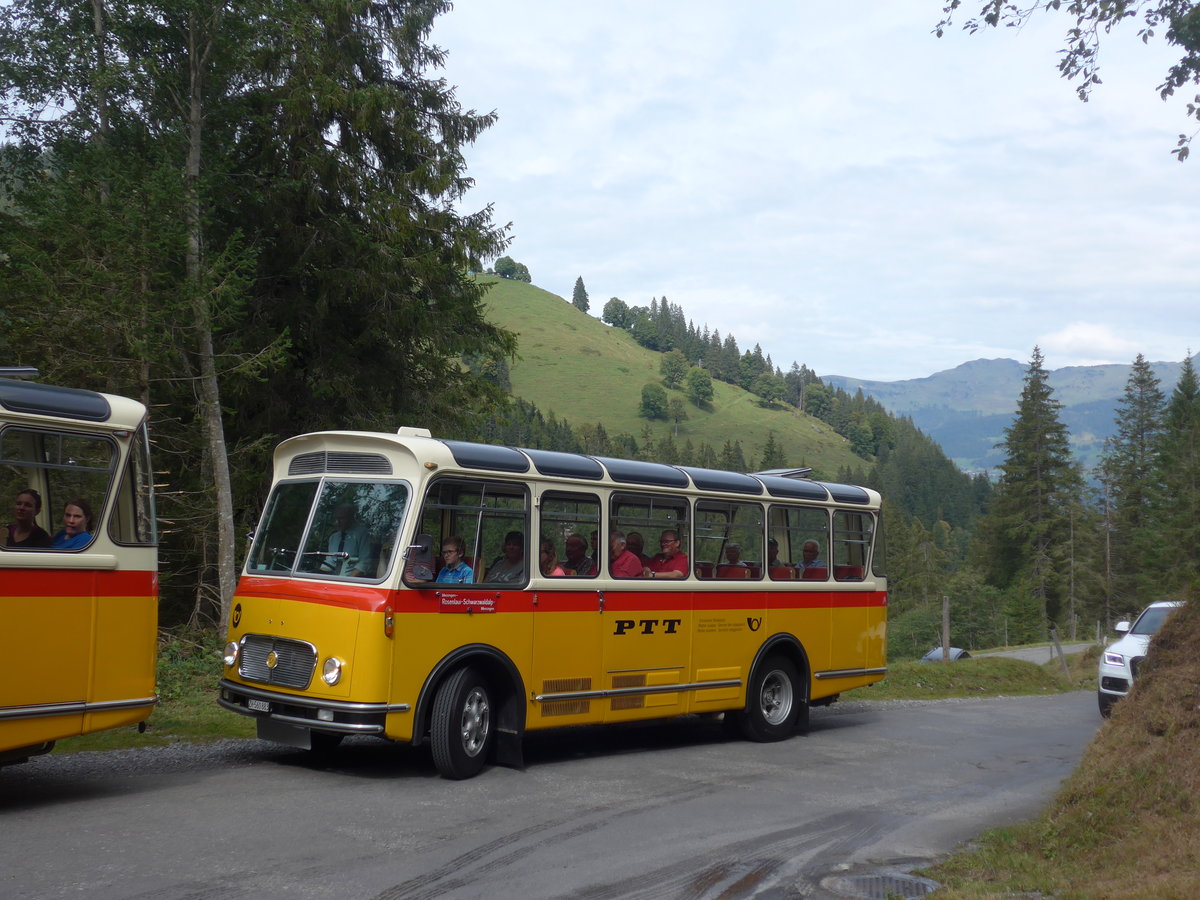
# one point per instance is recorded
(294, 661)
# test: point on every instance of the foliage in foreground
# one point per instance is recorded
(1125, 824)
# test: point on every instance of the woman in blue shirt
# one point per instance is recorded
(77, 526)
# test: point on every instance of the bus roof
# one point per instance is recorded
(45, 401)
(349, 452)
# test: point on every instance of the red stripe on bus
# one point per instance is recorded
(78, 582)
(425, 600)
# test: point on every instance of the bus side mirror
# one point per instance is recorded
(420, 558)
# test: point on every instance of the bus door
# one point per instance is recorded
(568, 617)
(647, 626)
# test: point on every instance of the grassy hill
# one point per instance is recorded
(584, 371)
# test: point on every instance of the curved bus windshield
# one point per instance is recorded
(330, 528)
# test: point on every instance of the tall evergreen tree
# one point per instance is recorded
(579, 296)
(1173, 538)
(1038, 488)
(1127, 475)
(315, 132)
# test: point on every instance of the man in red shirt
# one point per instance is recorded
(671, 562)
(622, 563)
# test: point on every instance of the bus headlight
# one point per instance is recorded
(331, 672)
(231, 654)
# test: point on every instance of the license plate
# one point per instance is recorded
(258, 705)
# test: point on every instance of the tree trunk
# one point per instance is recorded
(210, 394)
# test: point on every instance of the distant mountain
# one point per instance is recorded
(967, 408)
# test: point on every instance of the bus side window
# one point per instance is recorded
(62, 466)
(492, 518)
(729, 539)
(568, 520)
(656, 515)
(853, 533)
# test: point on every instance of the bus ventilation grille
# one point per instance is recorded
(279, 661)
(629, 681)
(566, 686)
(340, 463)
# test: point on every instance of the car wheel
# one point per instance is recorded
(1106, 702)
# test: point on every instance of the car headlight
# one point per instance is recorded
(1113, 659)
(331, 672)
(232, 649)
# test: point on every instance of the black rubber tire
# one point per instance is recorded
(1105, 701)
(775, 704)
(460, 731)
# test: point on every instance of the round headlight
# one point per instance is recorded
(331, 672)
(231, 654)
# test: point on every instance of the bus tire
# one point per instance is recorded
(460, 732)
(774, 703)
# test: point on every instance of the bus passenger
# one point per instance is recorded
(25, 531)
(811, 556)
(635, 544)
(77, 526)
(549, 559)
(577, 561)
(733, 556)
(773, 554)
(671, 561)
(509, 566)
(622, 563)
(454, 568)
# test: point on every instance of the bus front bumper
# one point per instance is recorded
(333, 716)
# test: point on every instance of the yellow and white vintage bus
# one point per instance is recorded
(462, 594)
(78, 605)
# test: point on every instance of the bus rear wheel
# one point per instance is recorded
(460, 732)
(775, 704)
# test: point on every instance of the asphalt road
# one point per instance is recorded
(662, 810)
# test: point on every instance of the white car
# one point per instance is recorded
(1119, 663)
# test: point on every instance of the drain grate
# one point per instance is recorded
(882, 887)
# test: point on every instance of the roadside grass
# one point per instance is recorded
(1127, 822)
(980, 677)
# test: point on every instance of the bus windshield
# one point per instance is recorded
(330, 528)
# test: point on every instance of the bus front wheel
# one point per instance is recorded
(460, 733)
(775, 703)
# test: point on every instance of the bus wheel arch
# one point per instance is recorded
(777, 692)
(505, 696)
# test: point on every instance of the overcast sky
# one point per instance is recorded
(834, 182)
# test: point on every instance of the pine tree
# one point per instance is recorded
(1127, 474)
(1039, 486)
(772, 454)
(1173, 530)
(579, 297)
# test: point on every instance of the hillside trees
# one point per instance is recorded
(579, 296)
(507, 267)
(277, 180)
(654, 402)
